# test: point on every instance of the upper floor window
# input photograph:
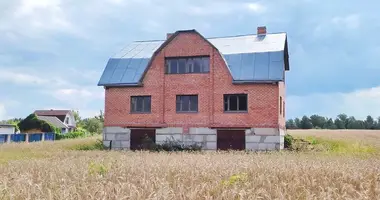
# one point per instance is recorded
(183, 65)
(187, 103)
(140, 104)
(67, 120)
(235, 102)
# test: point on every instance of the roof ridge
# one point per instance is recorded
(215, 37)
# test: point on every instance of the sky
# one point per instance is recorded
(53, 52)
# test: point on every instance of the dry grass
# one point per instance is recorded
(59, 173)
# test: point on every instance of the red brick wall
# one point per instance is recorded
(263, 98)
(281, 117)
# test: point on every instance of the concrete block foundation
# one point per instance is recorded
(256, 139)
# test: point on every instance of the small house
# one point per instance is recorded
(62, 119)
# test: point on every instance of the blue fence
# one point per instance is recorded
(18, 137)
(50, 136)
(33, 137)
(3, 138)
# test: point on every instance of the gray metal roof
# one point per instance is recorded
(248, 58)
(53, 121)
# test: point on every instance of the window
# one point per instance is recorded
(283, 107)
(187, 103)
(67, 121)
(280, 105)
(187, 65)
(140, 104)
(235, 102)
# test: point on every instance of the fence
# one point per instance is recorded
(30, 137)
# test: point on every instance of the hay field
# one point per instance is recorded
(53, 170)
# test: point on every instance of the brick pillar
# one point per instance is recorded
(27, 138)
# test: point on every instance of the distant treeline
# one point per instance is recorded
(342, 121)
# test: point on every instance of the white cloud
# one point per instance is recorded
(78, 97)
(2, 112)
(337, 23)
(349, 22)
(256, 7)
(358, 103)
(38, 20)
(222, 8)
(24, 78)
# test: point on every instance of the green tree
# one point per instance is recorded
(297, 122)
(306, 123)
(329, 124)
(290, 124)
(317, 121)
(370, 122)
(93, 125)
(100, 117)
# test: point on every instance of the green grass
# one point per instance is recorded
(341, 146)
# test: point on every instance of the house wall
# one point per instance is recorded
(282, 116)
(210, 87)
(262, 117)
(7, 130)
(71, 119)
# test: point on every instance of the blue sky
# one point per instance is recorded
(52, 52)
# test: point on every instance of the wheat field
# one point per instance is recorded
(53, 170)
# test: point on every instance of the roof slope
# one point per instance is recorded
(51, 112)
(248, 58)
(53, 121)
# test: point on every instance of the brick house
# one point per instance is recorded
(223, 93)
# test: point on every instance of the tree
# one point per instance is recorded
(370, 122)
(306, 123)
(317, 121)
(290, 124)
(100, 117)
(93, 125)
(77, 117)
(297, 122)
(329, 124)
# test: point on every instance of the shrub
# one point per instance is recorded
(170, 145)
(288, 141)
(33, 123)
(71, 135)
(97, 145)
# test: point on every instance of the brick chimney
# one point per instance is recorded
(168, 35)
(261, 30)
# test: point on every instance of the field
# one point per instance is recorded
(58, 170)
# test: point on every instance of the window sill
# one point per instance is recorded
(188, 73)
(186, 112)
(140, 112)
(236, 111)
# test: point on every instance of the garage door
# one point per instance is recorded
(231, 140)
(140, 138)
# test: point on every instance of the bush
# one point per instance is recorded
(33, 123)
(71, 135)
(98, 145)
(288, 141)
(169, 145)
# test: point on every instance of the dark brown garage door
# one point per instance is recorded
(141, 139)
(231, 140)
